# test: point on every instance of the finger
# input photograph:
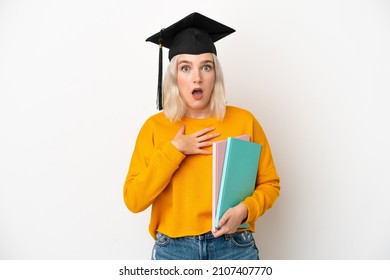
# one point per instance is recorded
(223, 220)
(224, 230)
(203, 131)
(203, 152)
(218, 233)
(226, 217)
(208, 136)
(182, 129)
(204, 144)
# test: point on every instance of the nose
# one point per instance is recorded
(197, 78)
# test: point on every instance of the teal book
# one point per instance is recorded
(239, 175)
(219, 148)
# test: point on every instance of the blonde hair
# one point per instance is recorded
(174, 105)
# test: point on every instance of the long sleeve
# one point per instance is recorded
(267, 183)
(179, 188)
(151, 169)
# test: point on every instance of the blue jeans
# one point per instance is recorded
(236, 246)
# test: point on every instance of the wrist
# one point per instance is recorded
(244, 211)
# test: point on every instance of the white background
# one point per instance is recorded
(77, 81)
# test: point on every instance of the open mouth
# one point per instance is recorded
(197, 91)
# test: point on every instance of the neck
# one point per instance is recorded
(198, 114)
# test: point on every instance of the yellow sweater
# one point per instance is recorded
(179, 187)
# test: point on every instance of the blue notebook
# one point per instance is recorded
(219, 148)
(238, 176)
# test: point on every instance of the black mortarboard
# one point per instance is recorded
(194, 34)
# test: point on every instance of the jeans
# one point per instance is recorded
(236, 246)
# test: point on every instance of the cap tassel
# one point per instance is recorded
(160, 66)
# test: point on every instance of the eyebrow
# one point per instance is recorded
(189, 62)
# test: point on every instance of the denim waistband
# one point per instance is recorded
(209, 235)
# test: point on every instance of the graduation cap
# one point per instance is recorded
(194, 34)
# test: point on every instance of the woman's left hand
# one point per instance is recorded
(231, 220)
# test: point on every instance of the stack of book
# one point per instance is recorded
(235, 165)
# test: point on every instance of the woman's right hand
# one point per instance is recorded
(194, 143)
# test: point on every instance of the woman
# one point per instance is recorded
(170, 167)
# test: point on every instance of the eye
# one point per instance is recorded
(207, 68)
(185, 68)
